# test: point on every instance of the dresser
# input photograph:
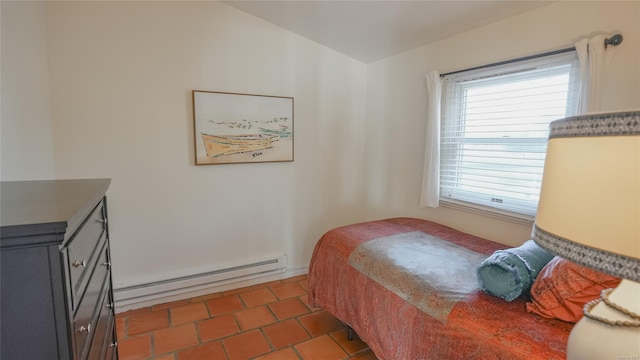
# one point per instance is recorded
(56, 298)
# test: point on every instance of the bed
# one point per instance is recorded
(408, 288)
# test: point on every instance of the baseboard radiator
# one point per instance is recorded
(182, 287)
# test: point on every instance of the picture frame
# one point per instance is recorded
(234, 128)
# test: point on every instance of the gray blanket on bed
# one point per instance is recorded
(430, 273)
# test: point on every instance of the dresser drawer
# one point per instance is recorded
(80, 251)
(90, 305)
(112, 345)
(102, 336)
(112, 350)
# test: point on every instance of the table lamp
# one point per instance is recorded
(589, 213)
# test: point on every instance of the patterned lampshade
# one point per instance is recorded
(589, 208)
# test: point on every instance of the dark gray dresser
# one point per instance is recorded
(56, 298)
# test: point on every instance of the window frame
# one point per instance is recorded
(475, 77)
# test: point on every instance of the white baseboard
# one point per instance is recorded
(144, 295)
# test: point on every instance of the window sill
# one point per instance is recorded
(512, 217)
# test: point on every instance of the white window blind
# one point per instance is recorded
(495, 125)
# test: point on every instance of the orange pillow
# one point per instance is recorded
(563, 287)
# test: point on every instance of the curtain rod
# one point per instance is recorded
(614, 40)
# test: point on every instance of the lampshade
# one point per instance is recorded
(589, 207)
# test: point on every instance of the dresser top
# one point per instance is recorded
(45, 206)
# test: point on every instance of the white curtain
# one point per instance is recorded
(431, 175)
(593, 58)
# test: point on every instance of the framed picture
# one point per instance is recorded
(242, 128)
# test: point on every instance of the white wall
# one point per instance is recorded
(120, 76)
(26, 137)
(396, 99)
(121, 80)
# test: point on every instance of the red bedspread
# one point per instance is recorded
(478, 327)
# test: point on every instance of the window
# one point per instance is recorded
(495, 123)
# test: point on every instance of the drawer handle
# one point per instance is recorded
(102, 221)
(107, 265)
(77, 263)
(86, 329)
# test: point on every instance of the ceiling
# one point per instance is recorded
(370, 30)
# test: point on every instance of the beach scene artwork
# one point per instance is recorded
(242, 128)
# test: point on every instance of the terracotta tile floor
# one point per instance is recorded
(270, 321)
